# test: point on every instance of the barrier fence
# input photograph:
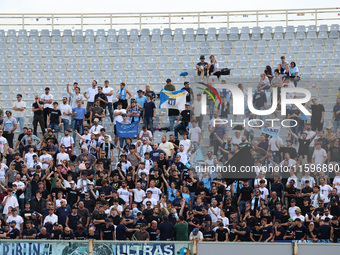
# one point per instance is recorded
(93, 247)
(206, 19)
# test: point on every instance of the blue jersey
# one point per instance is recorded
(80, 112)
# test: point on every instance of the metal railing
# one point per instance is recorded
(251, 18)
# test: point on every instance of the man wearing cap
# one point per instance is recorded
(8, 126)
(66, 113)
(196, 235)
(78, 113)
(96, 127)
(73, 218)
(107, 231)
(185, 120)
(299, 230)
(47, 100)
(19, 108)
(89, 94)
(169, 86)
(208, 234)
(299, 215)
(14, 233)
(202, 67)
(16, 218)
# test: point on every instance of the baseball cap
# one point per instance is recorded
(47, 88)
(235, 221)
(74, 207)
(13, 222)
(202, 57)
(229, 198)
(72, 182)
(55, 224)
(164, 217)
(168, 80)
(221, 224)
(187, 103)
(139, 91)
(108, 220)
(207, 225)
(290, 219)
(195, 231)
(298, 209)
(14, 209)
(86, 129)
(96, 120)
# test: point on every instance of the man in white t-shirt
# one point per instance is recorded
(66, 113)
(62, 155)
(20, 186)
(28, 158)
(150, 198)
(47, 99)
(89, 95)
(8, 201)
(124, 193)
(19, 108)
(45, 159)
(167, 147)
(319, 156)
(118, 118)
(68, 142)
(156, 192)
(145, 133)
(17, 218)
(185, 142)
(325, 190)
(183, 154)
(195, 134)
(108, 92)
(274, 144)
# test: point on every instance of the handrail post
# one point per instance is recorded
(110, 20)
(81, 22)
(257, 18)
(140, 22)
(228, 20)
(169, 20)
(316, 17)
(286, 19)
(23, 21)
(91, 247)
(52, 21)
(199, 20)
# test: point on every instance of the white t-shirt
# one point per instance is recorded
(18, 219)
(108, 90)
(62, 156)
(91, 92)
(124, 194)
(138, 195)
(3, 141)
(67, 141)
(324, 190)
(184, 157)
(75, 98)
(194, 133)
(29, 159)
(263, 192)
(152, 200)
(155, 192)
(20, 185)
(291, 211)
(212, 215)
(146, 136)
(272, 143)
(335, 181)
(199, 236)
(318, 156)
(19, 105)
(95, 129)
(47, 98)
(11, 201)
(65, 108)
(186, 143)
(118, 118)
(87, 137)
(3, 170)
(101, 139)
(46, 157)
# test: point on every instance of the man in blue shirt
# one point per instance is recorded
(122, 229)
(154, 154)
(140, 100)
(78, 114)
(63, 212)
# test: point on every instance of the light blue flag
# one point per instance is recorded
(272, 131)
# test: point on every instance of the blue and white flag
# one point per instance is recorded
(173, 99)
(127, 130)
(272, 131)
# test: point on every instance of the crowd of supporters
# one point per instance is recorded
(76, 181)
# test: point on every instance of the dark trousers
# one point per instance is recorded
(46, 113)
(317, 125)
(148, 122)
(124, 103)
(88, 106)
(199, 120)
(38, 118)
(9, 138)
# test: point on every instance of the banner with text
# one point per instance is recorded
(127, 130)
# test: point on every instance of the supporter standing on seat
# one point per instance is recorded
(19, 108)
(78, 114)
(101, 97)
(9, 125)
(38, 110)
(47, 99)
(66, 112)
(185, 116)
(54, 119)
(108, 91)
(140, 100)
(149, 113)
(89, 94)
(123, 95)
(97, 112)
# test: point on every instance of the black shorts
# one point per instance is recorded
(115, 130)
